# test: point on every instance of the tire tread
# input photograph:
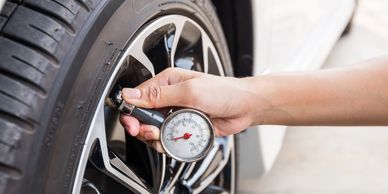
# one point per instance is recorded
(34, 40)
(55, 12)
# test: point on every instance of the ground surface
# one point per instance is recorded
(337, 160)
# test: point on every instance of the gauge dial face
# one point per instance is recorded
(187, 135)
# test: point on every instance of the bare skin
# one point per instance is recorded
(355, 95)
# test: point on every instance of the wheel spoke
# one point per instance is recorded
(116, 169)
(205, 49)
(211, 166)
(212, 189)
(176, 173)
(163, 176)
(116, 162)
(217, 59)
(108, 162)
(179, 24)
(136, 51)
(212, 62)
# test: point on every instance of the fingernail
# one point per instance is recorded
(131, 93)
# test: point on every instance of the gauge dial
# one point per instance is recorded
(187, 135)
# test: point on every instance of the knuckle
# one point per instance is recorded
(169, 70)
(154, 94)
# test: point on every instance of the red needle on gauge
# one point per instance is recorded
(184, 136)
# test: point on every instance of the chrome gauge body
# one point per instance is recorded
(187, 135)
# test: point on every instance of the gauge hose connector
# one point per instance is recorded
(146, 116)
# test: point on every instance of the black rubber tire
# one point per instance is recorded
(55, 58)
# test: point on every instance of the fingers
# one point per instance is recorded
(218, 132)
(148, 134)
(156, 145)
(143, 132)
(169, 88)
(131, 124)
(157, 96)
(151, 135)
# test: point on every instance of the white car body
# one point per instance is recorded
(295, 35)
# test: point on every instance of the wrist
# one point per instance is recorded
(267, 100)
(257, 99)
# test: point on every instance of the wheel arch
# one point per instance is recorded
(236, 18)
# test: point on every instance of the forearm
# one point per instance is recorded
(356, 95)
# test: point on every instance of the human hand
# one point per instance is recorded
(224, 99)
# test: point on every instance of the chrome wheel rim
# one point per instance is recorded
(180, 42)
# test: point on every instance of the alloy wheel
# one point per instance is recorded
(114, 162)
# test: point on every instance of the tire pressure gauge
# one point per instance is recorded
(186, 135)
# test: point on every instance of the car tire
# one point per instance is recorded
(56, 58)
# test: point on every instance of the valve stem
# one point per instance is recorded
(146, 116)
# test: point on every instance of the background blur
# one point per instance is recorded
(336, 160)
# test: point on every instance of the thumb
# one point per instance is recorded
(157, 96)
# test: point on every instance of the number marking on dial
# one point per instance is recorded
(187, 136)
